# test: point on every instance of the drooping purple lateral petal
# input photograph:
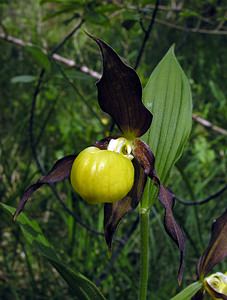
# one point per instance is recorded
(172, 228)
(146, 159)
(60, 171)
(113, 213)
(120, 94)
(217, 247)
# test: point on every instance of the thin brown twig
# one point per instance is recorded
(117, 252)
(208, 124)
(73, 214)
(66, 38)
(71, 83)
(147, 35)
(193, 30)
(203, 201)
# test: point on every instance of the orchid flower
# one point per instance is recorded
(114, 170)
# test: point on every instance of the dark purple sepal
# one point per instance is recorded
(199, 295)
(60, 171)
(103, 143)
(120, 94)
(217, 247)
(114, 212)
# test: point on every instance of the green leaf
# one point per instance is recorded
(23, 79)
(39, 56)
(81, 286)
(167, 95)
(189, 291)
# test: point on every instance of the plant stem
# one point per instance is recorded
(144, 253)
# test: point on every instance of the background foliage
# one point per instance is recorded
(67, 118)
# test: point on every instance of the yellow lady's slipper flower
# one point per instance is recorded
(102, 176)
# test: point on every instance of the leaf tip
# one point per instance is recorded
(109, 253)
(94, 38)
(14, 217)
(172, 48)
(89, 34)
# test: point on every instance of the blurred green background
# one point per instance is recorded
(67, 118)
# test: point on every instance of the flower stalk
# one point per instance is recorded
(144, 244)
(144, 253)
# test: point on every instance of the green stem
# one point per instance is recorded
(144, 253)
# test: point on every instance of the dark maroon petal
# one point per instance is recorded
(217, 247)
(145, 157)
(103, 144)
(113, 213)
(172, 228)
(60, 171)
(199, 295)
(120, 94)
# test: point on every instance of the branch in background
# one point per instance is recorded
(208, 124)
(147, 35)
(66, 61)
(194, 30)
(203, 201)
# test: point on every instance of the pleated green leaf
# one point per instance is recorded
(189, 291)
(81, 287)
(167, 95)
